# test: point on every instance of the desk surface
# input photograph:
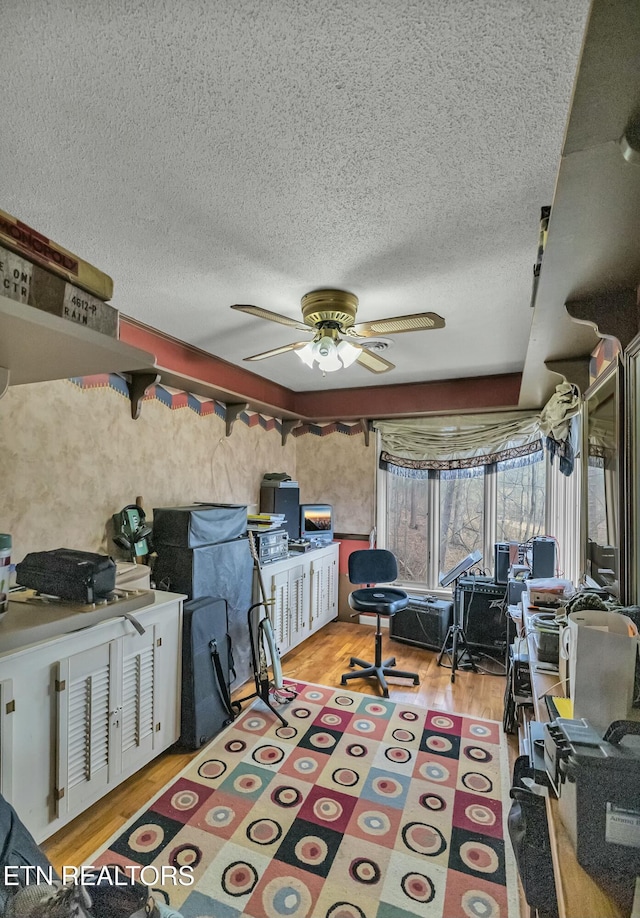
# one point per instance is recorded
(579, 896)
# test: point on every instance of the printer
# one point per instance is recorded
(597, 781)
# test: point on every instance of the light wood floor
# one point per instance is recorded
(322, 659)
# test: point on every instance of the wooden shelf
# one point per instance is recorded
(36, 346)
(578, 894)
(593, 245)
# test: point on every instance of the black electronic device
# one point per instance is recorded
(278, 496)
(482, 613)
(502, 562)
(424, 622)
(455, 644)
(543, 557)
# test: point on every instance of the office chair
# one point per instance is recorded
(376, 565)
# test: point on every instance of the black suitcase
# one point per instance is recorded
(207, 667)
(77, 576)
(424, 622)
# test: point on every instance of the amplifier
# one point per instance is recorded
(272, 545)
(423, 622)
(482, 612)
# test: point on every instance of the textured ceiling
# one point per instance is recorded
(210, 153)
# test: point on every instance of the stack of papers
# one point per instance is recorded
(262, 522)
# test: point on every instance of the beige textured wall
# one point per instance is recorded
(339, 470)
(70, 458)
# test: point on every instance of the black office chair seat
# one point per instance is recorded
(369, 566)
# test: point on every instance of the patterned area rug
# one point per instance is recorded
(359, 808)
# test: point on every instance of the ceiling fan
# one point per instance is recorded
(337, 340)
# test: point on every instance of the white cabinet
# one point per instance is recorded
(303, 589)
(83, 711)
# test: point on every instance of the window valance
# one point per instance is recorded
(463, 441)
(472, 440)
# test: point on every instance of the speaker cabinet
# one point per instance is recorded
(283, 500)
(483, 613)
(424, 623)
(543, 557)
(502, 561)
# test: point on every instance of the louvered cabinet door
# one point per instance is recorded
(280, 610)
(138, 700)
(298, 622)
(7, 717)
(87, 710)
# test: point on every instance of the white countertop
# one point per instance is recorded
(32, 619)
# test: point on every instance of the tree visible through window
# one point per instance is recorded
(514, 497)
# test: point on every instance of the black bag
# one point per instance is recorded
(529, 834)
(207, 669)
(79, 576)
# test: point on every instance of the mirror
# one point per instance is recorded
(601, 483)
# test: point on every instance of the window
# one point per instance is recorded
(433, 520)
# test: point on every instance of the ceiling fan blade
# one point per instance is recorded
(271, 316)
(420, 321)
(278, 350)
(374, 362)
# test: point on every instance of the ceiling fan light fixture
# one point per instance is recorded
(326, 353)
(306, 354)
(347, 353)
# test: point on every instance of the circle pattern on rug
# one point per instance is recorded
(185, 856)
(286, 897)
(331, 720)
(254, 723)
(345, 910)
(286, 796)
(345, 777)
(479, 904)
(344, 701)
(477, 783)
(479, 857)
(305, 765)
(286, 732)
(364, 870)
(397, 755)
(184, 800)
(219, 816)
(211, 769)
(322, 740)
(145, 838)
(264, 831)
(433, 802)
(387, 787)
(439, 744)
(327, 809)
(235, 745)
(418, 887)
(313, 695)
(364, 726)
(357, 750)
(478, 754)
(267, 755)
(480, 730)
(403, 736)
(311, 850)
(408, 715)
(433, 771)
(372, 822)
(301, 713)
(247, 784)
(480, 815)
(442, 722)
(375, 709)
(423, 839)
(239, 879)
